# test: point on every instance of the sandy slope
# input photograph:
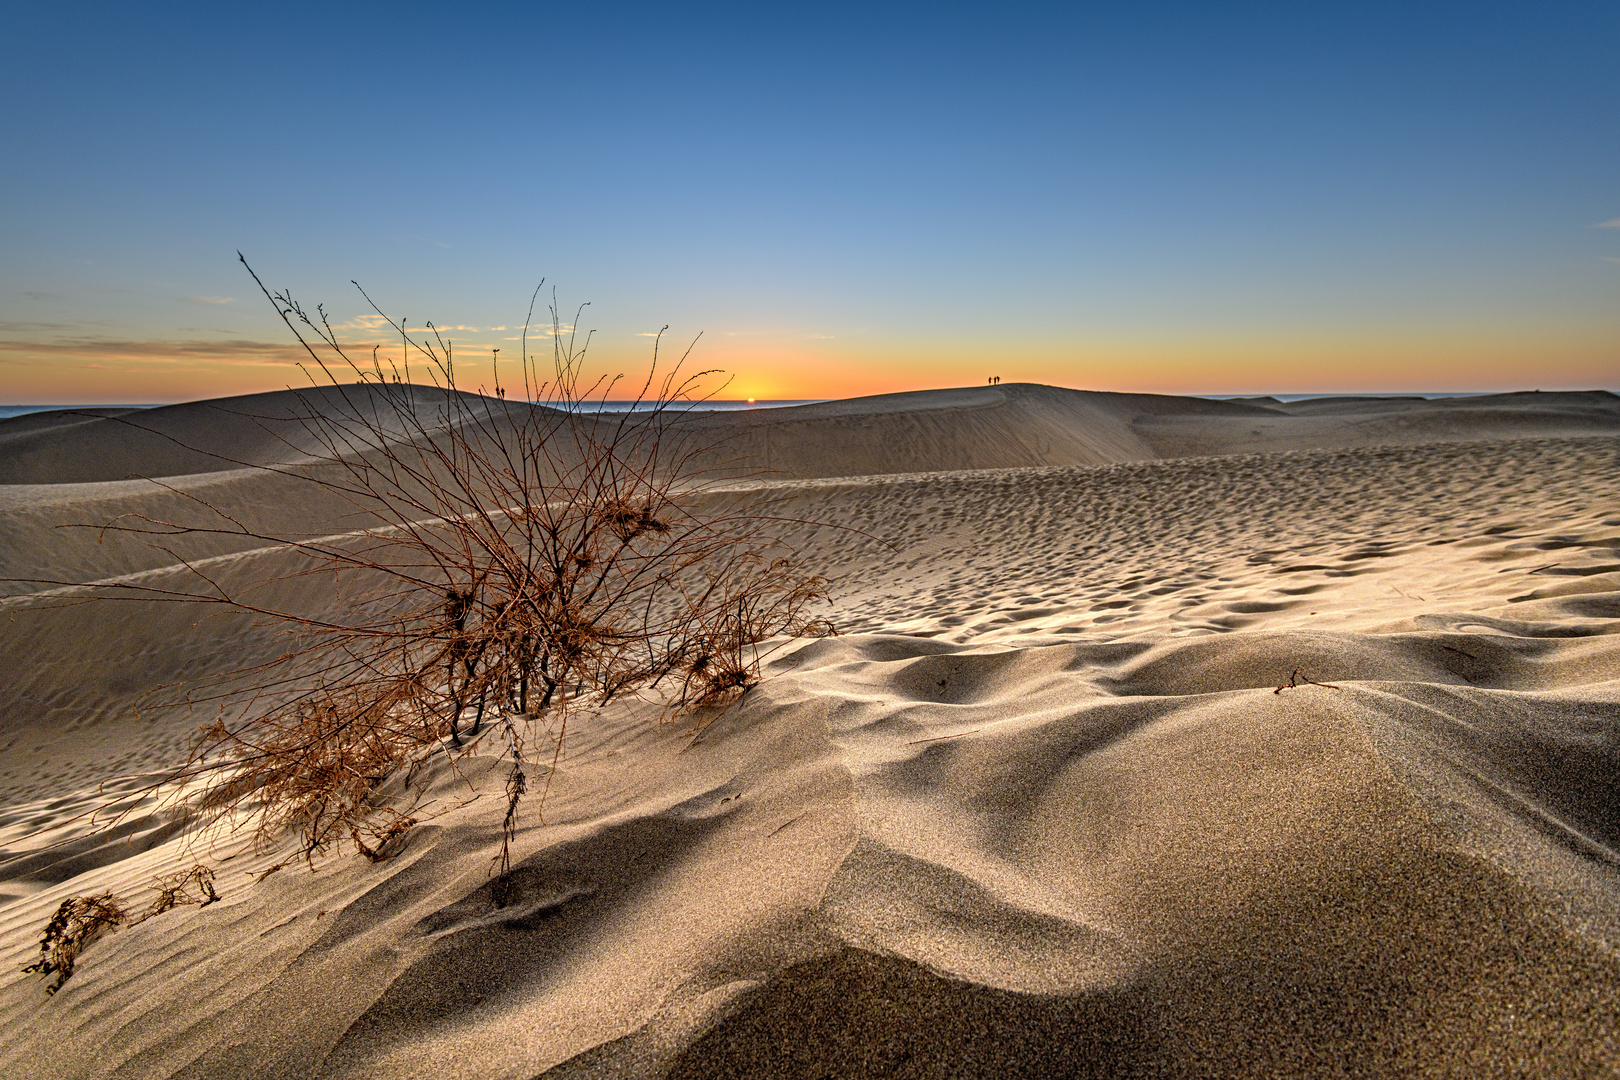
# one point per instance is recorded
(1042, 811)
(60, 472)
(933, 430)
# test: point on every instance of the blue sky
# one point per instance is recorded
(1180, 197)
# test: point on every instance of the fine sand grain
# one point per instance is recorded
(1041, 810)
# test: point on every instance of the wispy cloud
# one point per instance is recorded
(1609, 258)
(8, 326)
(362, 322)
(545, 330)
(208, 299)
(102, 351)
(376, 323)
(1615, 224)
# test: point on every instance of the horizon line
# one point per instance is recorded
(23, 408)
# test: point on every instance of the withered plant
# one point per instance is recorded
(193, 886)
(1298, 678)
(78, 922)
(507, 557)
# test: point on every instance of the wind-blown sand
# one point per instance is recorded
(1040, 811)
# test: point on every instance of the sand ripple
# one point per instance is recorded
(1044, 811)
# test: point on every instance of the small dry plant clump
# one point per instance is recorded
(506, 558)
(193, 886)
(82, 920)
(75, 926)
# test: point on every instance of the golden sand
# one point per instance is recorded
(1042, 810)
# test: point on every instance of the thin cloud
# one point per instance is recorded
(208, 299)
(100, 351)
(377, 323)
(8, 326)
(1615, 224)
(362, 322)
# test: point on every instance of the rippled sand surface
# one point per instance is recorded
(1198, 757)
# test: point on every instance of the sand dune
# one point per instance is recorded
(1042, 810)
(60, 471)
(1020, 425)
(1013, 426)
(80, 447)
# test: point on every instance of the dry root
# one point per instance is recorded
(376, 839)
(1297, 678)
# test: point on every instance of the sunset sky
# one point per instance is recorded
(842, 199)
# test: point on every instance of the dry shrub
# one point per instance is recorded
(75, 926)
(80, 920)
(176, 889)
(744, 603)
(507, 558)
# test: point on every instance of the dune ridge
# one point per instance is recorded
(1013, 426)
(1289, 757)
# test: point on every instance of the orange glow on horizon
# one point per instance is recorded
(1372, 364)
(1322, 363)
